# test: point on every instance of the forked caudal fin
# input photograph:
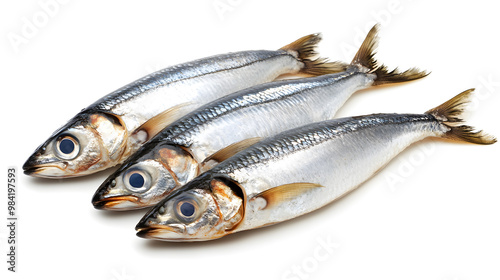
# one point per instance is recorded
(365, 58)
(450, 114)
(305, 50)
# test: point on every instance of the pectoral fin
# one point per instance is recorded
(283, 193)
(157, 123)
(232, 149)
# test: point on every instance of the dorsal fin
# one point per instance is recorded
(285, 192)
(157, 123)
(231, 150)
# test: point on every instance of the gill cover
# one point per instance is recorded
(230, 198)
(112, 133)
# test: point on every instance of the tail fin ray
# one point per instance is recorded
(366, 58)
(305, 49)
(450, 114)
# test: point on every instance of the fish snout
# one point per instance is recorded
(39, 165)
(30, 167)
(33, 162)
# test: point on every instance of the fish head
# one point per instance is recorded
(88, 143)
(204, 209)
(148, 176)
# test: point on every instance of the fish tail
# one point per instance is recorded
(365, 58)
(450, 114)
(305, 51)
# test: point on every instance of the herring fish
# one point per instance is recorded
(297, 171)
(103, 134)
(215, 131)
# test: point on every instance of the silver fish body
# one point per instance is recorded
(99, 136)
(338, 155)
(296, 172)
(206, 136)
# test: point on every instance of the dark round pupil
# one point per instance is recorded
(187, 209)
(136, 180)
(67, 146)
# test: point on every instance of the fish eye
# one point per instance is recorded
(67, 147)
(186, 210)
(137, 180)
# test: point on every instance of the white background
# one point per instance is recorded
(432, 213)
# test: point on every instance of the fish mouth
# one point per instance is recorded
(31, 170)
(117, 203)
(44, 171)
(160, 232)
(149, 232)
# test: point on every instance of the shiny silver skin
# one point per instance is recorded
(101, 132)
(337, 155)
(260, 111)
